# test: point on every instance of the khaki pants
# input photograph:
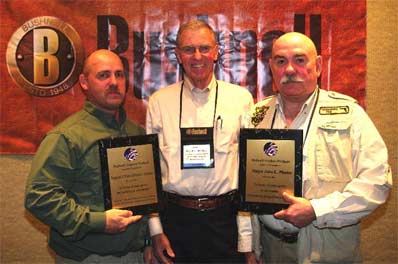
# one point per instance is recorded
(131, 258)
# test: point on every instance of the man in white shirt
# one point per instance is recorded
(345, 170)
(198, 121)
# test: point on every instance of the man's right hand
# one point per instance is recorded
(118, 220)
(251, 258)
(161, 243)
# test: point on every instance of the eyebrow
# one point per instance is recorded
(110, 71)
(294, 56)
(103, 71)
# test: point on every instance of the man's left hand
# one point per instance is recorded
(251, 258)
(299, 213)
(149, 258)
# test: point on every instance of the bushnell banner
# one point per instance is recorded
(44, 43)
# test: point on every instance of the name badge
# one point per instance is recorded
(197, 148)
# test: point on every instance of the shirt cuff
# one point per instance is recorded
(97, 221)
(321, 210)
(245, 244)
(330, 217)
(244, 233)
(155, 227)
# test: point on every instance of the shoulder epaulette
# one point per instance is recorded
(336, 95)
(265, 100)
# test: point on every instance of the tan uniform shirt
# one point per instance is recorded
(345, 174)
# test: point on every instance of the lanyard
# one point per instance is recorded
(312, 114)
(215, 103)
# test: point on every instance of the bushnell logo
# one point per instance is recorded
(45, 56)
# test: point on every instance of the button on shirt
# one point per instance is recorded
(233, 103)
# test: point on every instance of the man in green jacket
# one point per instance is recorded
(64, 187)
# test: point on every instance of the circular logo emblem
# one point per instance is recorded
(45, 56)
(270, 149)
(131, 154)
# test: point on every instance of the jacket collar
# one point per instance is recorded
(105, 117)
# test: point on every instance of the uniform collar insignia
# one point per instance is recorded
(259, 114)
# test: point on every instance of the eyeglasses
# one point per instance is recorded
(191, 49)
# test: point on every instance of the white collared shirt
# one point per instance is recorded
(163, 113)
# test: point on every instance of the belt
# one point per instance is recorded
(201, 203)
(283, 236)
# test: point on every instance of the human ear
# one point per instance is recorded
(83, 82)
(318, 64)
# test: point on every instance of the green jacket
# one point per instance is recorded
(64, 187)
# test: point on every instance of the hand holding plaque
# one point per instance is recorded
(270, 164)
(130, 169)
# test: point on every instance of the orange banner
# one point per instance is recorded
(43, 44)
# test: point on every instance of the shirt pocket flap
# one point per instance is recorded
(335, 124)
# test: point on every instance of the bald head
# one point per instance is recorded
(97, 57)
(297, 39)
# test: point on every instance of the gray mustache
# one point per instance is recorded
(290, 79)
